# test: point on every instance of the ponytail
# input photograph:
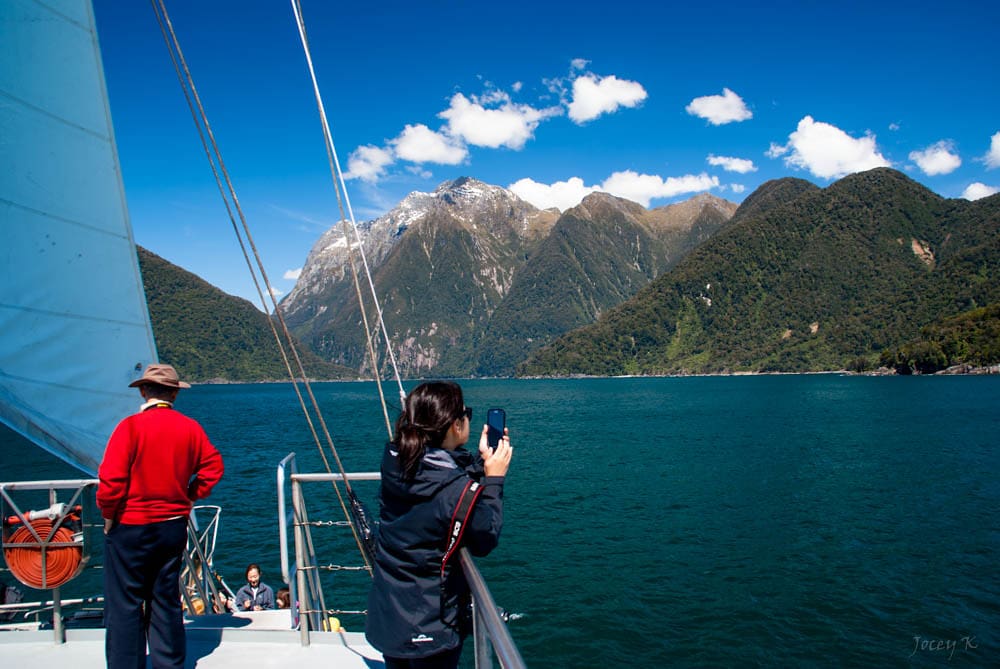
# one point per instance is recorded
(429, 410)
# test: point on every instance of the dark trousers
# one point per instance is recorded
(446, 659)
(142, 596)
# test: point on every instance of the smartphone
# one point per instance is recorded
(496, 420)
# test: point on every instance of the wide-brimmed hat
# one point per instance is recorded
(161, 375)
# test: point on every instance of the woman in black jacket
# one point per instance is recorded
(418, 613)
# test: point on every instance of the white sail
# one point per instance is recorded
(74, 326)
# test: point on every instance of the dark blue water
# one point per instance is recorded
(731, 521)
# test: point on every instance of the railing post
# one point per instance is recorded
(286, 518)
(300, 574)
(57, 622)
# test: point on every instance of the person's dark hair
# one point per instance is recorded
(430, 409)
(252, 566)
(159, 392)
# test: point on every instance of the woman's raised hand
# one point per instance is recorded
(495, 463)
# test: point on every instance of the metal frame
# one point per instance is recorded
(79, 486)
(199, 579)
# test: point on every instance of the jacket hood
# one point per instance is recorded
(437, 468)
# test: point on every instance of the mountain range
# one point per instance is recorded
(802, 279)
(472, 279)
(873, 269)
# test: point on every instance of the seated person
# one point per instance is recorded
(254, 596)
(281, 598)
(224, 604)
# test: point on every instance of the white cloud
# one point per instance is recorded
(776, 150)
(561, 195)
(720, 109)
(992, 157)
(292, 274)
(938, 158)
(737, 188)
(276, 293)
(741, 165)
(593, 96)
(510, 125)
(493, 120)
(420, 144)
(419, 172)
(491, 96)
(368, 163)
(630, 185)
(827, 151)
(642, 188)
(977, 191)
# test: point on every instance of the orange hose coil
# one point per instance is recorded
(25, 562)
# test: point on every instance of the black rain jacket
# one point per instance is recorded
(411, 612)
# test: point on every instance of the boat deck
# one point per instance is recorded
(260, 639)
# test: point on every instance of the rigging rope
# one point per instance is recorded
(228, 192)
(350, 224)
(199, 117)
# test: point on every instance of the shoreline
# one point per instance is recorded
(956, 370)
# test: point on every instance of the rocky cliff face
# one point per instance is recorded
(484, 209)
(599, 254)
(471, 278)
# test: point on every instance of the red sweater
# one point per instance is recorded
(155, 465)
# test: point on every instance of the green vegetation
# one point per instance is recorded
(209, 335)
(970, 338)
(873, 270)
(597, 256)
(828, 279)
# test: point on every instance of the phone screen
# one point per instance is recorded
(496, 420)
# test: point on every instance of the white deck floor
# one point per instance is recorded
(240, 640)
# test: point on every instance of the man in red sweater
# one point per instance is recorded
(156, 464)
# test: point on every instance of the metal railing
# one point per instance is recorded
(308, 607)
(488, 628)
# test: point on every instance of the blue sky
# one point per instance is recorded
(555, 100)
